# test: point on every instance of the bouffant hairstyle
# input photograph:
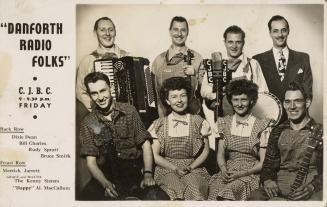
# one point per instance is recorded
(242, 86)
(175, 83)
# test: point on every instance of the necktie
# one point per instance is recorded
(281, 66)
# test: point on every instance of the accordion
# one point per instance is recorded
(131, 81)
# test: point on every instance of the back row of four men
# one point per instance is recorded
(272, 70)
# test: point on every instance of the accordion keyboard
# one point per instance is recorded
(107, 68)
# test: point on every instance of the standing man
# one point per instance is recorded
(292, 169)
(281, 65)
(116, 146)
(178, 61)
(245, 68)
(105, 30)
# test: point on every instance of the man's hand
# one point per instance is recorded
(271, 188)
(147, 180)
(304, 192)
(110, 190)
(189, 70)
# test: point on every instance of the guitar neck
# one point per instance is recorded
(315, 138)
(304, 166)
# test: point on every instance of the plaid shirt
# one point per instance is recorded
(275, 160)
(124, 135)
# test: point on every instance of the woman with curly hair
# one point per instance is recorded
(242, 144)
(180, 144)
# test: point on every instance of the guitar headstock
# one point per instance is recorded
(316, 132)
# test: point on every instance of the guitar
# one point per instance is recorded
(315, 139)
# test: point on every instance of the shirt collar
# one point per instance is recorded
(116, 109)
(285, 51)
(287, 124)
(115, 49)
(242, 57)
(249, 119)
(182, 50)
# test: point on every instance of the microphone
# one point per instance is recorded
(216, 59)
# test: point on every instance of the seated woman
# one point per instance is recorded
(241, 149)
(180, 144)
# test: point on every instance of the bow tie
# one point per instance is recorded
(179, 121)
(241, 123)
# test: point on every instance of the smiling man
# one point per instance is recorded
(247, 68)
(292, 169)
(105, 31)
(282, 65)
(178, 61)
(116, 147)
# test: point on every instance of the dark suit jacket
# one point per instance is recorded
(296, 62)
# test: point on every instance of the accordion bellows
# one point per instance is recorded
(131, 81)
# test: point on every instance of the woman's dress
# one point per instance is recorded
(241, 143)
(181, 141)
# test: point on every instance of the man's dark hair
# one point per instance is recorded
(277, 18)
(94, 77)
(178, 19)
(175, 83)
(235, 30)
(296, 86)
(242, 86)
(96, 24)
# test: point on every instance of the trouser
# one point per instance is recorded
(126, 176)
(261, 195)
(285, 179)
(94, 191)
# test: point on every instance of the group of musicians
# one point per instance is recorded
(258, 158)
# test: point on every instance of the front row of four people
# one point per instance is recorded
(117, 146)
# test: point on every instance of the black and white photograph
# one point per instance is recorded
(225, 107)
(162, 103)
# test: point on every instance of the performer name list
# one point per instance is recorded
(22, 174)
